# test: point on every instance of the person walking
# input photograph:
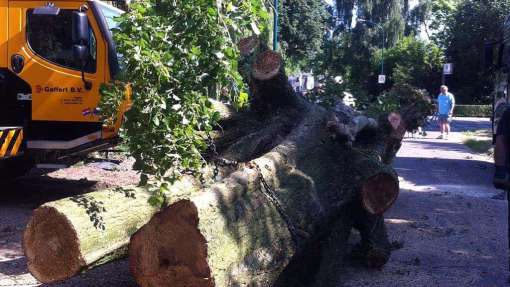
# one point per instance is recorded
(446, 104)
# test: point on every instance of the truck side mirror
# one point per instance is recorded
(81, 34)
(81, 29)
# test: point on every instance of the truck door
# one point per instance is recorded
(40, 51)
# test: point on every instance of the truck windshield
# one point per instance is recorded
(110, 14)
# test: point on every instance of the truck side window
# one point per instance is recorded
(51, 37)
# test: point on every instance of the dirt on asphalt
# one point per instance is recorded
(450, 225)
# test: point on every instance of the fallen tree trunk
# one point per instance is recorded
(299, 166)
(243, 231)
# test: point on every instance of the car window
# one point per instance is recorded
(51, 37)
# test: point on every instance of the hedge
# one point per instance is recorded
(480, 111)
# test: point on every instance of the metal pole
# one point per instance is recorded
(275, 28)
(383, 42)
(508, 225)
(383, 45)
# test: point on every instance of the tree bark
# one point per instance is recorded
(298, 167)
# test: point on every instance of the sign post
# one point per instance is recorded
(382, 79)
(447, 70)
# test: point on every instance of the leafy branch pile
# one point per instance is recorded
(177, 55)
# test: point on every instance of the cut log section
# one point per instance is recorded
(226, 236)
(68, 236)
(267, 65)
(247, 46)
(379, 193)
(171, 249)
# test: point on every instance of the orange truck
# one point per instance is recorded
(54, 57)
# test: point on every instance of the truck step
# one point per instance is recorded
(11, 141)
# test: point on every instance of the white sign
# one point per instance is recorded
(382, 79)
(448, 69)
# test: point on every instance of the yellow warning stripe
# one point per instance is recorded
(17, 145)
(12, 141)
(5, 145)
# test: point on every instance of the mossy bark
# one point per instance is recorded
(260, 216)
(294, 178)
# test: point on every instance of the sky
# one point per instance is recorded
(412, 2)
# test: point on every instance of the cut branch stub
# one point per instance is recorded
(248, 45)
(170, 250)
(395, 120)
(267, 65)
(399, 126)
(379, 193)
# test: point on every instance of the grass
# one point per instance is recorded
(479, 146)
(479, 141)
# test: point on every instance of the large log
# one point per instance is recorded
(298, 167)
(74, 234)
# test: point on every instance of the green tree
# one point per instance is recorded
(303, 28)
(177, 55)
(413, 62)
(434, 18)
(358, 44)
(473, 23)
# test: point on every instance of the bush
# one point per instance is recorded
(477, 111)
(405, 99)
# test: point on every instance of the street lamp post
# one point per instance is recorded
(275, 28)
(379, 26)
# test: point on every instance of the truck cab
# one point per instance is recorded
(54, 58)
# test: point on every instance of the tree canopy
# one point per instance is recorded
(303, 26)
(473, 23)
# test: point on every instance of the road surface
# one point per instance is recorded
(449, 222)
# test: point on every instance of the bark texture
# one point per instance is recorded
(294, 171)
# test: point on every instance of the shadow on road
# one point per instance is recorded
(442, 171)
(462, 124)
(14, 267)
(37, 190)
